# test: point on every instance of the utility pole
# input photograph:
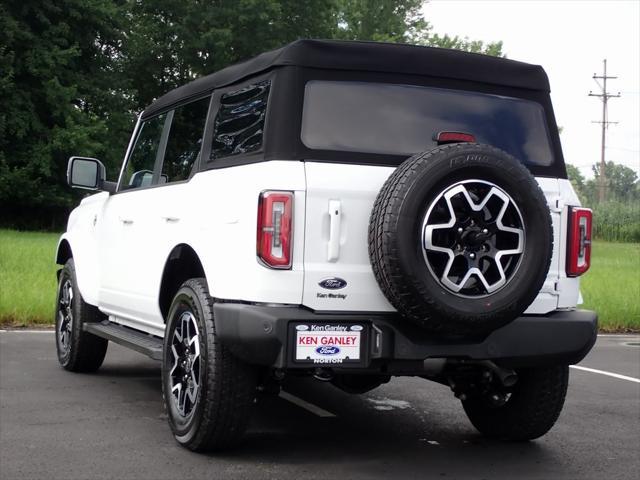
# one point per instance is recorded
(604, 96)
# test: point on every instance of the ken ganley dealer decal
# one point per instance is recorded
(333, 283)
(328, 343)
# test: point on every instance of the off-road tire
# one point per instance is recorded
(395, 248)
(86, 351)
(533, 408)
(227, 385)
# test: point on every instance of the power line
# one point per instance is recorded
(604, 96)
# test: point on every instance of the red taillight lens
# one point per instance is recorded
(442, 138)
(579, 241)
(275, 211)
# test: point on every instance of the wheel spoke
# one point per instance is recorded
(192, 391)
(184, 373)
(177, 395)
(182, 400)
(65, 316)
(176, 360)
(177, 333)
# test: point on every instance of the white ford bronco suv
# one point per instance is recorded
(351, 211)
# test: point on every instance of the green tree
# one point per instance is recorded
(621, 182)
(170, 42)
(457, 43)
(381, 20)
(400, 21)
(73, 73)
(57, 92)
(577, 180)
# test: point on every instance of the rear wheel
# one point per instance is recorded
(530, 410)
(208, 393)
(78, 351)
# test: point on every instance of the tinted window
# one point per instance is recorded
(139, 170)
(402, 119)
(239, 124)
(185, 140)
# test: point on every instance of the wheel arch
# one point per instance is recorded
(63, 251)
(182, 263)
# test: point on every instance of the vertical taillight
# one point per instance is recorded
(579, 241)
(275, 216)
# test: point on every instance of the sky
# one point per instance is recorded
(569, 38)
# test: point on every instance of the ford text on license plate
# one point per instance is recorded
(328, 343)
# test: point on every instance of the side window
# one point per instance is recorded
(185, 140)
(139, 170)
(239, 124)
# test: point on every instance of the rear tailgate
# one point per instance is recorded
(337, 271)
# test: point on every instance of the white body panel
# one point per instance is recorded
(354, 188)
(121, 242)
(82, 238)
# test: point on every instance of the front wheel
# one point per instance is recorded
(78, 351)
(208, 393)
(530, 410)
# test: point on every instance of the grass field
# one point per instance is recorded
(28, 281)
(612, 286)
(27, 277)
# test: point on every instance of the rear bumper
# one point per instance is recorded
(261, 335)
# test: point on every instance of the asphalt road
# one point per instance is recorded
(59, 425)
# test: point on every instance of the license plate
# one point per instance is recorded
(328, 343)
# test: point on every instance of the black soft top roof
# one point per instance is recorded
(369, 57)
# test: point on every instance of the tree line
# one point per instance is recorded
(616, 219)
(73, 73)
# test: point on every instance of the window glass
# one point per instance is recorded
(403, 119)
(139, 170)
(239, 124)
(185, 140)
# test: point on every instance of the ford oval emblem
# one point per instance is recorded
(302, 328)
(328, 350)
(333, 283)
(356, 328)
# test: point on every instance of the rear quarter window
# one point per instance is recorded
(394, 119)
(239, 123)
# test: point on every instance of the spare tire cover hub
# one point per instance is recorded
(473, 237)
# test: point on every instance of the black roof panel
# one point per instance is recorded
(370, 57)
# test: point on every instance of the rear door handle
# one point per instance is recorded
(126, 221)
(171, 219)
(335, 214)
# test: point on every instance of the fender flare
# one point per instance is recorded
(86, 278)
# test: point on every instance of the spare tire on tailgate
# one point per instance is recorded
(460, 239)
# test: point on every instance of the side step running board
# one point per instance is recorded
(127, 337)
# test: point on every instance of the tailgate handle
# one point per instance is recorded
(335, 214)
